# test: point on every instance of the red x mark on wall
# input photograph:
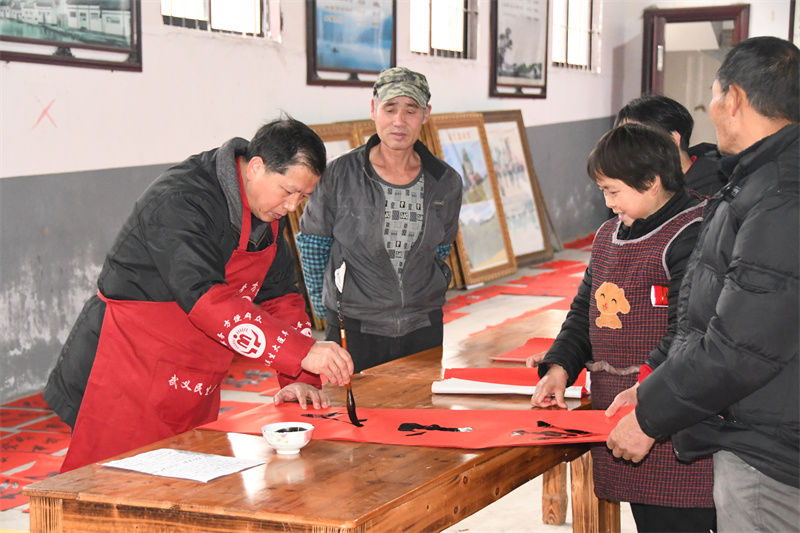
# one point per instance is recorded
(45, 113)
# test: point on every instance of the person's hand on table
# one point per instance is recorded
(626, 397)
(627, 440)
(534, 360)
(302, 393)
(331, 360)
(550, 389)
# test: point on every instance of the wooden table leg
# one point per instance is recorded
(45, 515)
(590, 514)
(554, 495)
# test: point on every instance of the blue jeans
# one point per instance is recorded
(749, 501)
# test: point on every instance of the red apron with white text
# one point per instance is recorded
(155, 374)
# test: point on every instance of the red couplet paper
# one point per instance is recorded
(11, 492)
(248, 375)
(10, 418)
(51, 424)
(451, 428)
(532, 346)
(505, 376)
(35, 401)
(32, 441)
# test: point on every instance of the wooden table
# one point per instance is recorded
(330, 486)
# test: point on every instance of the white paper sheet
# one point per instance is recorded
(465, 386)
(184, 464)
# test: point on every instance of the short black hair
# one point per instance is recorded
(286, 142)
(766, 68)
(635, 154)
(659, 111)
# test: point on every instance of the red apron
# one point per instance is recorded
(156, 374)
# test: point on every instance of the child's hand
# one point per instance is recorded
(626, 397)
(550, 389)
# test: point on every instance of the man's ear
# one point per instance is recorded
(427, 114)
(738, 98)
(372, 109)
(676, 137)
(656, 186)
(254, 167)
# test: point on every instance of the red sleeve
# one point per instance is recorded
(644, 371)
(292, 308)
(256, 332)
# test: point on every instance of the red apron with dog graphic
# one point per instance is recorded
(157, 370)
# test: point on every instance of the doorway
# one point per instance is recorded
(683, 48)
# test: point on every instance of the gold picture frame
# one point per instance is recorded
(483, 243)
(523, 204)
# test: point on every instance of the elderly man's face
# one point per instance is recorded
(718, 111)
(398, 121)
(272, 195)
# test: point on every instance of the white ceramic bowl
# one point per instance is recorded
(287, 438)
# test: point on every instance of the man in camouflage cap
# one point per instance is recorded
(389, 211)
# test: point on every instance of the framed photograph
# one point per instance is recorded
(794, 23)
(520, 194)
(519, 48)
(483, 244)
(338, 139)
(89, 34)
(349, 41)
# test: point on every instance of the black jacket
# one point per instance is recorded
(731, 379)
(704, 176)
(173, 248)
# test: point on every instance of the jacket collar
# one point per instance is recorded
(737, 165)
(432, 165)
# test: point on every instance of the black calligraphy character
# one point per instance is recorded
(331, 416)
(554, 433)
(420, 429)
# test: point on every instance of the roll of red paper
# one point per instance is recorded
(658, 295)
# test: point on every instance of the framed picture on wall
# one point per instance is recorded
(483, 244)
(794, 23)
(520, 194)
(349, 43)
(82, 34)
(518, 48)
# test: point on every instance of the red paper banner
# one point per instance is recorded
(10, 418)
(52, 424)
(30, 441)
(250, 376)
(532, 346)
(46, 466)
(506, 376)
(35, 401)
(453, 428)
(11, 492)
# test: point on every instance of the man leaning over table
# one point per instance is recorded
(729, 386)
(198, 273)
(389, 211)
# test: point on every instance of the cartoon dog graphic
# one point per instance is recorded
(610, 300)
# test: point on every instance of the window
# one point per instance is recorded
(574, 29)
(256, 18)
(444, 28)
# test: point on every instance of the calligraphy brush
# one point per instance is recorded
(351, 401)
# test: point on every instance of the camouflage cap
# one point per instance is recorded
(399, 81)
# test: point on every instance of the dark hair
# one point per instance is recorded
(766, 68)
(635, 154)
(658, 111)
(285, 142)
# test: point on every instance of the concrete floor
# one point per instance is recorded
(517, 512)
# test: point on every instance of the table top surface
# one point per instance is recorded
(329, 482)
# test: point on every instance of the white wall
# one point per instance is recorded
(198, 89)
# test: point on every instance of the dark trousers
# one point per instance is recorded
(370, 350)
(658, 519)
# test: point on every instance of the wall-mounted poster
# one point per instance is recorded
(519, 48)
(519, 190)
(87, 33)
(347, 38)
(483, 243)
